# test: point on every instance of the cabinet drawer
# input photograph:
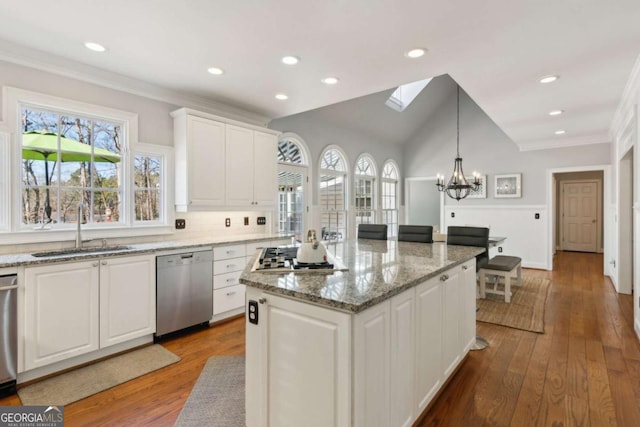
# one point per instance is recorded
(228, 299)
(231, 251)
(229, 265)
(226, 279)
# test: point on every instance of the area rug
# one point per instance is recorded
(526, 310)
(217, 398)
(88, 380)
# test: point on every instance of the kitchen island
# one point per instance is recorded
(370, 346)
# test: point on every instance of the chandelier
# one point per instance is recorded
(458, 186)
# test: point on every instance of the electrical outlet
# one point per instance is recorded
(246, 220)
(453, 214)
(500, 249)
(181, 224)
(537, 216)
(252, 311)
(262, 220)
(227, 222)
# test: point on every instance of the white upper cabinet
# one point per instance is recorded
(240, 165)
(265, 168)
(200, 163)
(222, 163)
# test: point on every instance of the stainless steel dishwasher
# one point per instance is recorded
(8, 334)
(184, 290)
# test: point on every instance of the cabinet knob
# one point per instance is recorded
(262, 300)
(104, 262)
(464, 267)
(95, 264)
(230, 265)
(444, 278)
(231, 293)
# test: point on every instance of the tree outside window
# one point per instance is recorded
(53, 186)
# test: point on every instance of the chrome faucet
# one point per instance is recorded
(79, 219)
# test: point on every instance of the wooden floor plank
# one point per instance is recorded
(521, 379)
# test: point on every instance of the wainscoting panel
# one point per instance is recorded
(526, 235)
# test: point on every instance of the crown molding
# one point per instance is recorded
(44, 61)
(563, 142)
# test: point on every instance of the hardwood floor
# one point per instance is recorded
(583, 371)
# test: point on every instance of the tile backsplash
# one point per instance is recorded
(199, 225)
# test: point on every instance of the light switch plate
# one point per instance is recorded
(227, 222)
(181, 224)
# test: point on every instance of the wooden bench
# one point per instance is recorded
(507, 267)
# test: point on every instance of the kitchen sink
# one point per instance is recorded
(73, 251)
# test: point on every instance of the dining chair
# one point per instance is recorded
(415, 233)
(471, 236)
(372, 231)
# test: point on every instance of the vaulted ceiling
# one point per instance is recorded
(497, 50)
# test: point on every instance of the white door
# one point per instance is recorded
(205, 163)
(62, 311)
(127, 298)
(451, 339)
(579, 216)
(292, 181)
(264, 168)
(240, 165)
(402, 376)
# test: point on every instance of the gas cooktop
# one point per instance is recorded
(283, 259)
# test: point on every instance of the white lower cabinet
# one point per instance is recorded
(79, 307)
(228, 293)
(127, 298)
(62, 312)
(401, 351)
(298, 365)
(428, 370)
(372, 364)
(402, 358)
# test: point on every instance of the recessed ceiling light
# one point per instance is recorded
(548, 79)
(290, 60)
(96, 47)
(215, 71)
(556, 112)
(560, 132)
(330, 80)
(282, 97)
(415, 53)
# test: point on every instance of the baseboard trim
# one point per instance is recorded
(536, 265)
(637, 328)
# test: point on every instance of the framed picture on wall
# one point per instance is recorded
(481, 192)
(508, 185)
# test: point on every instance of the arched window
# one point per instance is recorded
(390, 178)
(292, 179)
(365, 190)
(332, 195)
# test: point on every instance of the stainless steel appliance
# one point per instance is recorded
(8, 334)
(184, 290)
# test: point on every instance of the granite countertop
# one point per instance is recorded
(377, 270)
(20, 259)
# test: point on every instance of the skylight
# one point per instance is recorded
(405, 94)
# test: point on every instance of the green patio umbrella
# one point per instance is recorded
(40, 145)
